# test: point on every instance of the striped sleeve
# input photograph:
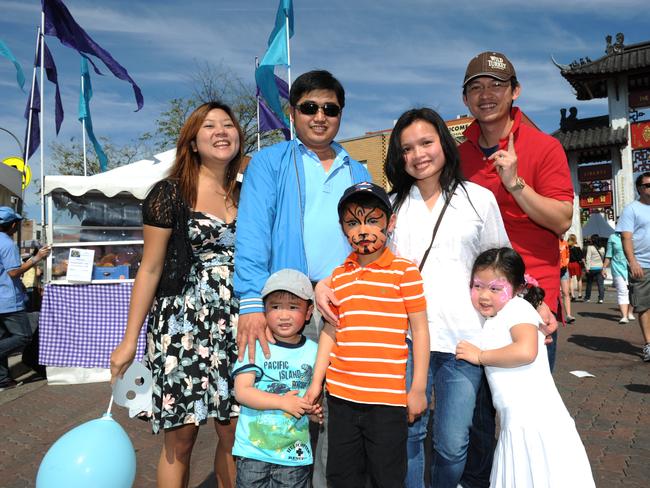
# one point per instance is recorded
(412, 289)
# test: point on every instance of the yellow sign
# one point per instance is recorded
(20, 165)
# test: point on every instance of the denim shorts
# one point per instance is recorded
(252, 473)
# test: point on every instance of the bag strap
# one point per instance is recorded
(435, 228)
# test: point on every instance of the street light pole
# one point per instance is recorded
(20, 146)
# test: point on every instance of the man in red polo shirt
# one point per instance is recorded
(528, 173)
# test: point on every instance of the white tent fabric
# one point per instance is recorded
(136, 178)
(597, 225)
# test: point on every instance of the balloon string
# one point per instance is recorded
(110, 405)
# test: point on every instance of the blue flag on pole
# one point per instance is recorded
(276, 54)
(268, 120)
(84, 113)
(33, 129)
(34, 107)
(20, 76)
(60, 23)
(52, 76)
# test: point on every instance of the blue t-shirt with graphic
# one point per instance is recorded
(275, 436)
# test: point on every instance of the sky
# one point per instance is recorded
(389, 55)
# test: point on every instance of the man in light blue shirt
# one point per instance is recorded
(15, 331)
(634, 226)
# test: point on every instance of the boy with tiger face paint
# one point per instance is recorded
(366, 219)
(363, 359)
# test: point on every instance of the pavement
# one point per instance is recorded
(611, 410)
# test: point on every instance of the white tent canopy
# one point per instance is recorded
(135, 178)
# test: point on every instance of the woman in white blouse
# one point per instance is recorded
(423, 168)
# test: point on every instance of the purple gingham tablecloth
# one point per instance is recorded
(80, 325)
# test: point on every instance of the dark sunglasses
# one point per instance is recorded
(311, 108)
(644, 185)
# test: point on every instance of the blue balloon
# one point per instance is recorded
(96, 454)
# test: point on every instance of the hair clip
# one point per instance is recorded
(530, 281)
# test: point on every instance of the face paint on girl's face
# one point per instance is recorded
(365, 228)
(490, 292)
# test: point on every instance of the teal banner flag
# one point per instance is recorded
(276, 54)
(20, 75)
(84, 113)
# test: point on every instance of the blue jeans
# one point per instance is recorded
(455, 385)
(259, 474)
(417, 432)
(482, 442)
(15, 333)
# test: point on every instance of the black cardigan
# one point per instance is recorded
(164, 207)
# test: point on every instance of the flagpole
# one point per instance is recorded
(42, 131)
(286, 20)
(83, 129)
(31, 100)
(257, 100)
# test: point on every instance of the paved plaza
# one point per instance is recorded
(612, 410)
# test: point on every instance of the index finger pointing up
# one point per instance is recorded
(511, 143)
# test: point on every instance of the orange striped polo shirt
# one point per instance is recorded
(368, 361)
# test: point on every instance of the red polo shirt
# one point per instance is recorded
(542, 163)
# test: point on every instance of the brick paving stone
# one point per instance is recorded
(611, 410)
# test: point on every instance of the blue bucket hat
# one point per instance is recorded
(7, 215)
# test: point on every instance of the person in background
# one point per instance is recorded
(634, 226)
(615, 256)
(565, 280)
(186, 274)
(576, 267)
(594, 258)
(15, 331)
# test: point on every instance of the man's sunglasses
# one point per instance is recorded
(644, 185)
(311, 108)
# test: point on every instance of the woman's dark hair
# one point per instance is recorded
(398, 178)
(508, 262)
(316, 80)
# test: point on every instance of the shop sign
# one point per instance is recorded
(640, 132)
(458, 126)
(590, 200)
(639, 98)
(595, 172)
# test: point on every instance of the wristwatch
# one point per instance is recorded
(519, 185)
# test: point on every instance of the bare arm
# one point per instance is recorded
(417, 400)
(247, 394)
(42, 253)
(325, 345)
(628, 249)
(522, 351)
(144, 290)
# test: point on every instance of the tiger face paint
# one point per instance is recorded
(366, 228)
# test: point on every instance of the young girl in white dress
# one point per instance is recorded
(538, 443)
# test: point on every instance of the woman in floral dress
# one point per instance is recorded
(184, 283)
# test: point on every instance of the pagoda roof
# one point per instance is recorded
(589, 78)
(591, 137)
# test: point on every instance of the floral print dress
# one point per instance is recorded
(191, 337)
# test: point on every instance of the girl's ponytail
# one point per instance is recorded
(531, 292)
